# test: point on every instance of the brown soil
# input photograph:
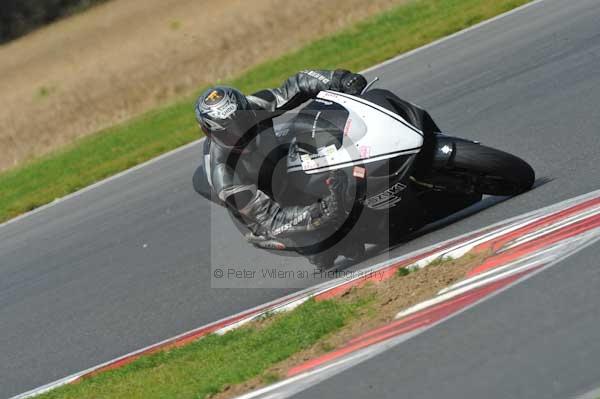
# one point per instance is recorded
(390, 297)
(124, 57)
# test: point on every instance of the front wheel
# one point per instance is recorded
(462, 166)
(492, 171)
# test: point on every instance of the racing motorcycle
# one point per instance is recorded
(403, 175)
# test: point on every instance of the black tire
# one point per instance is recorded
(494, 172)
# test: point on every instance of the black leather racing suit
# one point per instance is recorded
(236, 177)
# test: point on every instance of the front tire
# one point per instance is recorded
(493, 172)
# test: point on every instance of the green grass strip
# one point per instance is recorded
(206, 366)
(110, 151)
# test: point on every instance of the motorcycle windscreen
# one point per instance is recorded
(348, 131)
(321, 134)
(320, 124)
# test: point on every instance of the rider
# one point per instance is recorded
(241, 140)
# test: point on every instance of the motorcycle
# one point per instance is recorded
(403, 172)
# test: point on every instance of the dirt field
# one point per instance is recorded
(122, 58)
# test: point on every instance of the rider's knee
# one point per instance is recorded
(200, 182)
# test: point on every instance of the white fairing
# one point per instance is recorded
(372, 133)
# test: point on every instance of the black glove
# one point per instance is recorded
(267, 218)
(353, 83)
(332, 206)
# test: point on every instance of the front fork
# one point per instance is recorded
(441, 173)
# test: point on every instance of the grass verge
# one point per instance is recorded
(207, 366)
(110, 151)
(221, 367)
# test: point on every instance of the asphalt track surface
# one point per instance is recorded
(128, 263)
(537, 340)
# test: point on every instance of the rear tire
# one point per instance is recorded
(493, 171)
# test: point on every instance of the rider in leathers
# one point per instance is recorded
(242, 146)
